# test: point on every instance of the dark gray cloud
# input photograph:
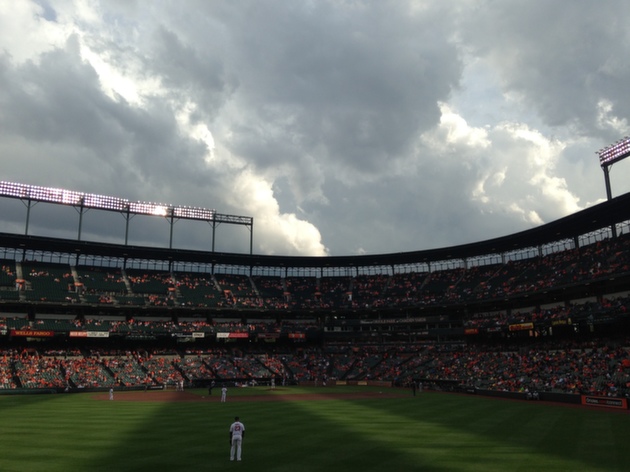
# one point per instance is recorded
(352, 86)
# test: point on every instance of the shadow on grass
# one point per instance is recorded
(280, 436)
(505, 435)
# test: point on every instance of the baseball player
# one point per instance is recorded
(223, 394)
(237, 433)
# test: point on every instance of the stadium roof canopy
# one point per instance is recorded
(603, 215)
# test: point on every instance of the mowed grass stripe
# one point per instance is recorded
(62, 430)
(428, 432)
(303, 440)
(411, 441)
(509, 432)
(556, 435)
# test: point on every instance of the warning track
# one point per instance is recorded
(172, 396)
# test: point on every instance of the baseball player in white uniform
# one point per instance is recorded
(223, 394)
(237, 433)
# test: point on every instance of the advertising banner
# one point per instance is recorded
(34, 333)
(521, 326)
(89, 334)
(232, 335)
(238, 335)
(560, 322)
(606, 402)
(268, 335)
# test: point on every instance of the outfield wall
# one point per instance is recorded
(334, 383)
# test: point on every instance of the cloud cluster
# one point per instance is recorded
(341, 127)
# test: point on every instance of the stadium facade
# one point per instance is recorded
(566, 280)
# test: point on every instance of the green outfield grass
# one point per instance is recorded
(429, 432)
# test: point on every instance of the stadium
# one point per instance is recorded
(538, 316)
(249, 318)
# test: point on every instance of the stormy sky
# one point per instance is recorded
(341, 126)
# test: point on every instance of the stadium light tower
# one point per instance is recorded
(607, 157)
(30, 195)
(611, 154)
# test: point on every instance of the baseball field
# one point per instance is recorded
(306, 429)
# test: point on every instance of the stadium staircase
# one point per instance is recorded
(254, 288)
(20, 275)
(77, 284)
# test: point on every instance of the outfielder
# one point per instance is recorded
(223, 394)
(237, 433)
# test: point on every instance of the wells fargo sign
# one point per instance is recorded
(32, 333)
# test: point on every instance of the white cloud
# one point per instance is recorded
(25, 33)
(541, 155)
(606, 120)
(454, 137)
(512, 167)
(281, 233)
(529, 216)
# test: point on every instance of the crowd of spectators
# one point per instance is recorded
(597, 260)
(164, 370)
(594, 367)
(87, 372)
(592, 311)
(35, 371)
